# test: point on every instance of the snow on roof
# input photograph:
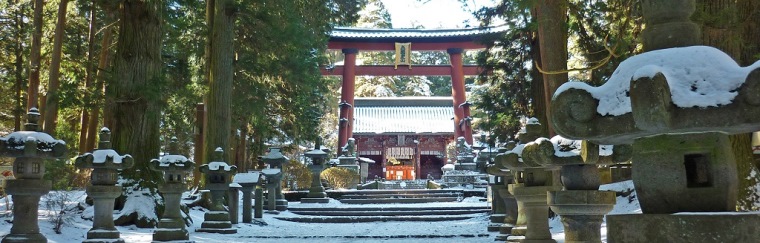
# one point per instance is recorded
(101, 155)
(250, 177)
(215, 166)
(20, 137)
(170, 159)
(270, 171)
(403, 115)
(364, 33)
(698, 76)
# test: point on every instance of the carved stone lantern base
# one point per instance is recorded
(582, 212)
(103, 229)
(316, 191)
(536, 212)
(683, 227)
(520, 226)
(26, 198)
(497, 207)
(511, 214)
(216, 222)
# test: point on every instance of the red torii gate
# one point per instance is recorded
(453, 41)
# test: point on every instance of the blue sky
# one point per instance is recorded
(433, 13)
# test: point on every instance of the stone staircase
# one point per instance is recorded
(383, 214)
(401, 196)
(426, 205)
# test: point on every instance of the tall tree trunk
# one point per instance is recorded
(540, 108)
(85, 117)
(97, 96)
(51, 111)
(18, 110)
(241, 148)
(749, 30)
(551, 16)
(220, 77)
(34, 57)
(719, 29)
(133, 93)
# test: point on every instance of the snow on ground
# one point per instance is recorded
(471, 230)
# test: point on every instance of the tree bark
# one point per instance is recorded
(51, 110)
(134, 94)
(552, 36)
(97, 96)
(18, 111)
(34, 57)
(721, 31)
(85, 117)
(220, 77)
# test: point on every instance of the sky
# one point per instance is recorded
(433, 14)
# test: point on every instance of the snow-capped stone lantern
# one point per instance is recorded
(581, 205)
(30, 148)
(532, 182)
(175, 167)
(218, 177)
(105, 164)
(273, 176)
(676, 104)
(275, 160)
(316, 191)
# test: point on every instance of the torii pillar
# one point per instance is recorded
(461, 106)
(346, 119)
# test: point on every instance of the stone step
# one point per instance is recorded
(406, 195)
(377, 209)
(399, 200)
(391, 213)
(404, 191)
(354, 219)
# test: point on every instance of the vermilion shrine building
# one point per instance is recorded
(367, 119)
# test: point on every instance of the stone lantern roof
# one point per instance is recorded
(104, 156)
(218, 166)
(172, 161)
(31, 143)
(275, 158)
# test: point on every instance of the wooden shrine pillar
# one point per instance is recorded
(346, 118)
(461, 106)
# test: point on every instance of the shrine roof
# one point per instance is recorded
(403, 115)
(411, 35)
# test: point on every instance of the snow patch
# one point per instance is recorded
(698, 76)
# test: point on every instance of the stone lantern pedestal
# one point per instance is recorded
(105, 163)
(26, 197)
(248, 181)
(274, 176)
(30, 148)
(174, 167)
(218, 174)
(582, 212)
(317, 190)
(275, 159)
(536, 208)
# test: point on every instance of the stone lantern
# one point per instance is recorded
(248, 181)
(316, 191)
(273, 178)
(275, 160)
(218, 177)
(174, 167)
(676, 104)
(532, 182)
(30, 148)
(581, 205)
(105, 164)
